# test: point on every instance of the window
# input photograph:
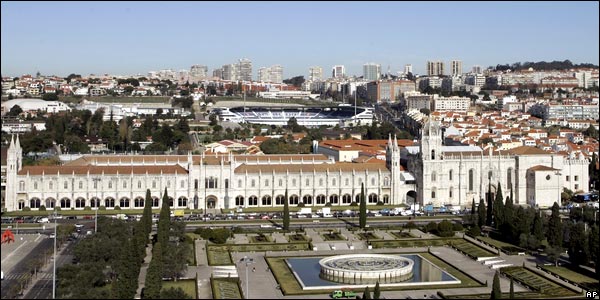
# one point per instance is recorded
(80, 184)
(95, 202)
(35, 203)
(307, 182)
(490, 174)
(347, 182)
(110, 184)
(433, 176)
(294, 182)
(35, 185)
(280, 200)
(509, 178)
(357, 198)
(433, 194)
(155, 201)
(66, 185)
(576, 179)
(320, 181)
(239, 201)
(386, 181)
(386, 199)
(266, 182)
(372, 180)
(124, 202)
(21, 185)
(321, 199)
(307, 199)
(226, 183)
(182, 202)
(239, 183)
(109, 202)
(124, 184)
(346, 199)
(50, 185)
(568, 178)
(138, 202)
(252, 183)
(280, 182)
(253, 200)
(576, 187)
(95, 184)
(153, 184)
(450, 175)
(139, 184)
(266, 200)
(450, 192)
(333, 199)
(471, 180)
(333, 182)
(210, 183)
(432, 154)
(79, 203)
(65, 203)
(294, 200)
(183, 183)
(21, 204)
(373, 198)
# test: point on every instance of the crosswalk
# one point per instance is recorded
(17, 276)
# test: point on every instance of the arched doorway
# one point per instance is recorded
(211, 202)
(411, 198)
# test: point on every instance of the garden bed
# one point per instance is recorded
(226, 288)
(187, 285)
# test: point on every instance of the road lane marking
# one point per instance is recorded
(13, 252)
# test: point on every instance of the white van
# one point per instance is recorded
(43, 220)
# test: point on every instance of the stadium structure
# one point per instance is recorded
(305, 116)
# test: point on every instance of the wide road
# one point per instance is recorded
(21, 270)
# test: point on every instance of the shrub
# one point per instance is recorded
(87, 208)
(444, 229)
(72, 208)
(475, 231)
(379, 203)
(57, 208)
(328, 204)
(102, 207)
(301, 204)
(42, 208)
(117, 207)
(431, 227)
(26, 208)
(353, 203)
(457, 227)
(410, 225)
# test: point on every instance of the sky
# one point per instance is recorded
(127, 38)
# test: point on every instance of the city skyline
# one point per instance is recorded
(126, 38)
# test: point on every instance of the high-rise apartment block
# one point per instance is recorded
(245, 69)
(199, 71)
(338, 71)
(456, 67)
(272, 74)
(435, 68)
(315, 73)
(230, 72)
(371, 71)
(476, 69)
(408, 68)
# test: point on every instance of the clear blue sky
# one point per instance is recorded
(135, 37)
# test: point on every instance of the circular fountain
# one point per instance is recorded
(366, 268)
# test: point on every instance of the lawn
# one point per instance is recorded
(402, 234)
(506, 247)
(472, 249)
(585, 282)
(368, 236)
(218, 256)
(261, 238)
(536, 282)
(226, 288)
(296, 238)
(413, 243)
(333, 236)
(111, 99)
(187, 285)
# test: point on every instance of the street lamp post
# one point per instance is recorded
(54, 260)
(247, 261)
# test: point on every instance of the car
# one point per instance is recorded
(44, 220)
(52, 235)
(338, 294)
(78, 225)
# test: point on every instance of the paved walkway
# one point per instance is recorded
(144, 270)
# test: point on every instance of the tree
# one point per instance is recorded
(366, 293)
(553, 254)
(538, 229)
(363, 207)
(578, 244)
(473, 207)
(489, 207)
(286, 212)
(377, 291)
(50, 97)
(498, 208)
(594, 246)
(147, 216)
(425, 111)
(481, 213)
(15, 111)
(555, 232)
(174, 293)
(496, 291)
(511, 294)
(591, 131)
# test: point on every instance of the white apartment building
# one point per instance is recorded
(450, 103)
(457, 67)
(338, 71)
(315, 73)
(371, 71)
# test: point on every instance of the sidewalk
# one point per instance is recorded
(48, 268)
(144, 270)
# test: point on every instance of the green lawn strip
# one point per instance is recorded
(290, 286)
(585, 282)
(413, 243)
(187, 285)
(368, 236)
(191, 255)
(260, 239)
(536, 282)
(218, 255)
(506, 247)
(225, 288)
(333, 237)
(297, 238)
(471, 249)
(402, 235)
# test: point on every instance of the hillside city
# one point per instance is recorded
(174, 184)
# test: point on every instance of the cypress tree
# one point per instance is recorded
(286, 212)
(511, 294)
(538, 229)
(496, 292)
(508, 228)
(498, 208)
(164, 220)
(147, 216)
(367, 293)
(363, 208)
(473, 207)
(377, 291)
(153, 282)
(489, 207)
(555, 233)
(481, 213)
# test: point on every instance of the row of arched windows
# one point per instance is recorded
(307, 199)
(96, 202)
(95, 184)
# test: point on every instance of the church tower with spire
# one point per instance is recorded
(392, 159)
(14, 163)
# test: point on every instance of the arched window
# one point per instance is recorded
(183, 183)
(333, 182)
(239, 201)
(66, 185)
(95, 202)
(252, 183)
(280, 182)
(509, 178)
(21, 204)
(357, 198)
(124, 202)
(80, 184)
(155, 201)
(307, 182)
(171, 201)
(252, 200)
(35, 203)
(450, 192)
(22, 185)
(321, 199)
(347, 182)
(280, 200)
(153, 184)
(386, 199)
(138, 202)
(109, 202)
(450, 175)
(65, 203)
(79, 203)
(124, 184)
(139, 184)
(433, 176)
(346, 199)
(294, 200)
(110, 184)
(96, 182)
(266, 200)
(307, 199)
(433, 193)
(294, 182)
(182, 201)
(50, 202)
(372, 181)
(386, 181)
(226, 183)
(169, 183)
(239, 183)
(432, 154)
(35, 186)
(333, 199)
(373, 198)
(50, 185)
(320, 181)
(471, 180)
(266, 182)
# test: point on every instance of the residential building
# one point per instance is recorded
(450, 103)
(315, 73)
(435, 68)
(245, 69)
(457, 68)
(339, 71)
(408, 68)
(371, 71)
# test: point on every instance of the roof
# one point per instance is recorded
(527, 150)
(307, 168)
(81, 170)
(182, 159)
(542, 168)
